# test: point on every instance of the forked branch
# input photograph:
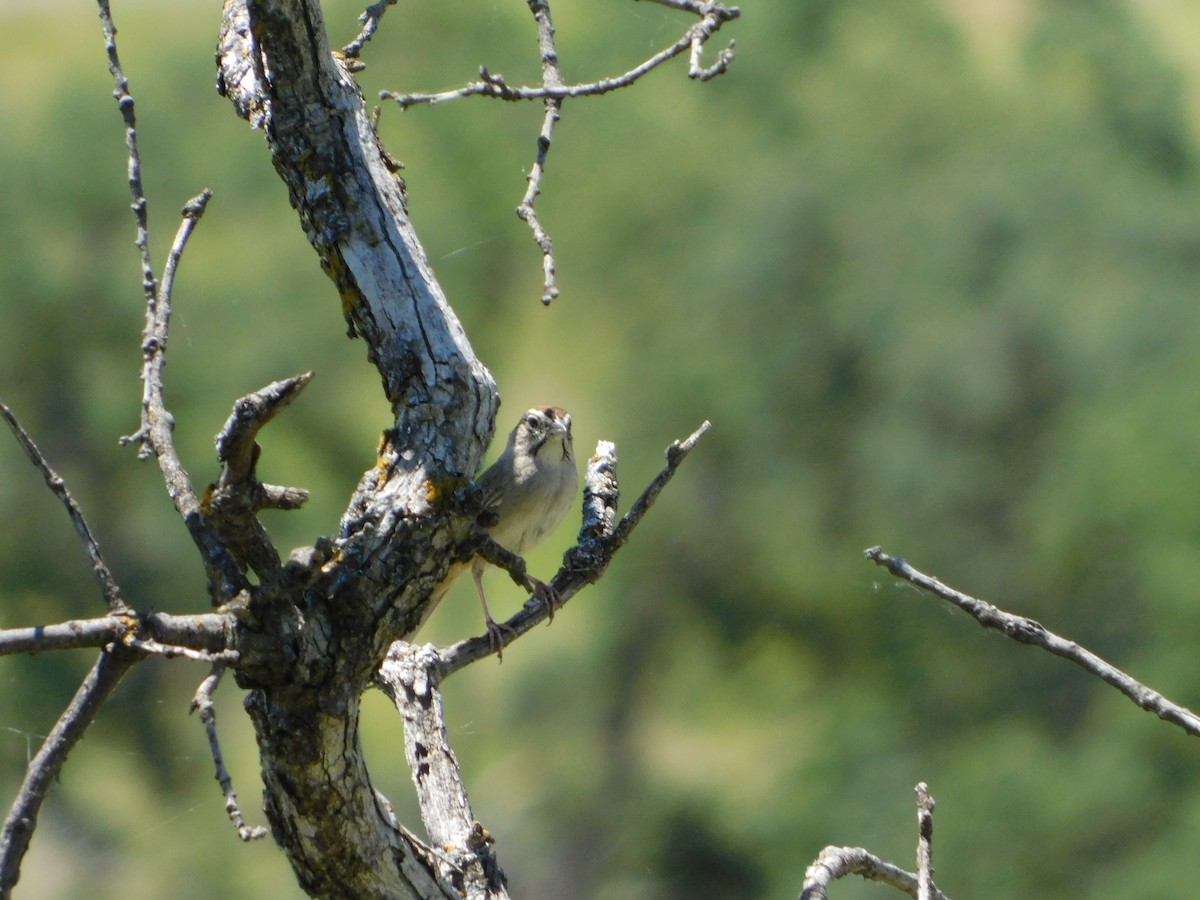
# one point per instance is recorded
(493, 85)
(112, 665)
(156, 436)
(553, 91)
(837, 862)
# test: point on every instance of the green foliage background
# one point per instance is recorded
(931, 268)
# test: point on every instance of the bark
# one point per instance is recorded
(312, 635)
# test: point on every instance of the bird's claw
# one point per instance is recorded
(495, 633)
(547, 594)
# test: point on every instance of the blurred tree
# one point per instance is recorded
(940, 294)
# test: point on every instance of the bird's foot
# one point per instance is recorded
(547, 594)
(496, 636)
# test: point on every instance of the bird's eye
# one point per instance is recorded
(532, 420)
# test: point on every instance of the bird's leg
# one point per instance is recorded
(494, 630)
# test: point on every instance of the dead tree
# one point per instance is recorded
(307, 635)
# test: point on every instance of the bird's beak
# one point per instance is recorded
(562, 428)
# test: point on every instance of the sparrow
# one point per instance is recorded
(526, 493)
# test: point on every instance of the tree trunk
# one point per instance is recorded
(313, 636)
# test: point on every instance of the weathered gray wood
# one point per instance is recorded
(334, 610)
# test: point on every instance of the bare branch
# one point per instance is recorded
(370, 21)
(108, 584)
(156, 434)
(676, 454)
(1029, 631)
(126, 105)
(232, 504)
(209, 634)
(191, 213)
(154, 347)
(44, 767)
(151, 647)
(551, 78)
(67, 636)
(586, 561)
(235, 441)
(203, 704)
(837, 862)
(925, 804)
(528, 213)
(553, 90)
(409, 676)
(494, 86)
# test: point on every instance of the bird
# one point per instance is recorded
(525, 494)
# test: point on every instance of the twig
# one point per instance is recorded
(156, 434)
(551, 78)
(125, 104)
(837, 862)
(154, 347)
(494, 86)
(370, 21)
(925, 805)
(584, 563)
(1029, 631)
(203, 704)
(44, 767)
(676, 454)
(151, 647)
(553, 90)
(699, 37)
(108, 584)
